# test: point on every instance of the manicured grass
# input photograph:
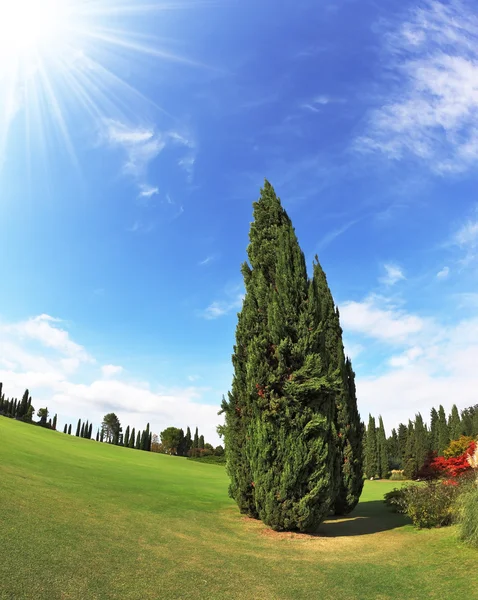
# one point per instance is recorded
(85, 520)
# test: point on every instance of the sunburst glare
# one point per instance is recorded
(60, 57)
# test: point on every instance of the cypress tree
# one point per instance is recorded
(434, 430)
(138, 441)
(78, 428)
(54, 421)
(1, 399)
(132, 439)
(69, 429)
(126, 437)
(145, 438)
(65, 429)
(382, 450)
(421, 444)
(409, 455)
(87, 427)
(443, 431)
(280, 434)
(150, 441)
(188, 441)
(23, 408)
(102, 434)
(97, 435)
(371, 451)
(14, 410)
(196, 439)
(82, 431)
(201, 442)
(454, 424)
(90, 431)
(393, 450)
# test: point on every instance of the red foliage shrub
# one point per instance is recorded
(437, 467)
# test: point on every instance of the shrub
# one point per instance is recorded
(430, 505)
(458, 447)
(397, 475)
(468, 516)
(396, 500)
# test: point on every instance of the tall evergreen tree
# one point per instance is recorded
(69, 429)
(126, 437)
(393, 450)
(201, 442)
(54, 421)
(78, 428)
(280, 432)
(97, 435)
(188, 441)
(65, 429)
(434, 430)
(409, 454)
(138, 441)
(90, 431)
(82, 431)
(382, 450)
(132, 439)
(23, 408)
(443, 431)
(196, 439)
(182, 445)
(454, 423)
(145, 439)
(421, 443)
(347, 419)
(371, 450)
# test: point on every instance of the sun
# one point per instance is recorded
(25, 25)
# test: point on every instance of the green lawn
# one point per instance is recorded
(85, 520)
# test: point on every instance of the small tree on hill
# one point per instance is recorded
(78, 428)
(171, 439)
(65, 429)
(138, 441)
(54, 422)
(69, 429)
(132, 439)
(126, 437)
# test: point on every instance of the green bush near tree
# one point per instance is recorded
(467, 516)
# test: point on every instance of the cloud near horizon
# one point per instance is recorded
(39, 354)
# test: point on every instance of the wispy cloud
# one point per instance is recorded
(185, 139)
(466, 238)
(142, 227)
(393, 274)
(335, 233)
(140, 144)
(147, 191)
(234, 296)
(432, 114)
(321, 100)
(443, 273)
(207, 260)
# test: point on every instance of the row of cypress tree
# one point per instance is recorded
(409, 445)
(292, 430)
(23, 410)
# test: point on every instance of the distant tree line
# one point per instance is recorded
(410, 446)
(22, 410)
(175, 442)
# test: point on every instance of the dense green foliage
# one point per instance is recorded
(409, 448)
(290, 443)
(468, 515)
(428, 505)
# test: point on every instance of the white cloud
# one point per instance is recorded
(219, 308)
(321, 100)
(110, 370)
(147, 191)
(440, 371)
(44, 364)
(443, 273)
(43, 330)
(393, 274)
(432, 114)
(141, 144)
(467, 235)
(206, 261)
(385, 324)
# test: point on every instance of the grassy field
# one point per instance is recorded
(85, 520)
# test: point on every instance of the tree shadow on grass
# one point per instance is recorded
(369, 517)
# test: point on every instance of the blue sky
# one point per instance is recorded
(131, 153)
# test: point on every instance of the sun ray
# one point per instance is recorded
(60, 62)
